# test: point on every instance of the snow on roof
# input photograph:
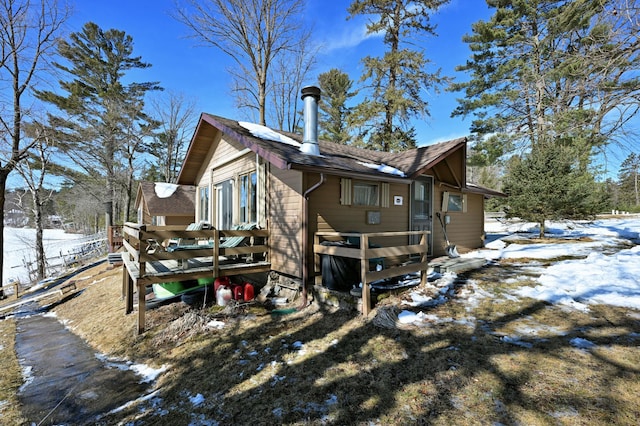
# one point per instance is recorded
(383, 168)
(165, 190)
(267, 133)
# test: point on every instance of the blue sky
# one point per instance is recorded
(183, 65)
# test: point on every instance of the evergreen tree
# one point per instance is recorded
(551, 70)
(550, 183)
(100, 116)
(629, 181)
(398, 79)
(333, 110)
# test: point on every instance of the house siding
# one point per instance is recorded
(465, 230)
(225, 161)
(326, 213)
(233, 169)
(284, 205)
(178, 220)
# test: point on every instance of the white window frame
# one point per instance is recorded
(204, 204)
(248, 195)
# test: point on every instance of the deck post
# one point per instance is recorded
(127, 283)
(364, 268)
(216, 253)
(142, 248)
(316, 260)
(125, 274)
(423, 258)
(141, 308)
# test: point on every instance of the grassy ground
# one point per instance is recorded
(484, 357)
(10, 375)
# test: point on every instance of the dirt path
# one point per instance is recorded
(67, 383)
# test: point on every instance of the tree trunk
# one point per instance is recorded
(635, 187)
(40, 256)
(541, 228)
(3, 185)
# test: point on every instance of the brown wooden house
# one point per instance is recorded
(298, 186)
(165, 204)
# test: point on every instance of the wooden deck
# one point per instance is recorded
(147, 261)
(365, 252)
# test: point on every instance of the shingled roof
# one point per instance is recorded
(180, 203)
(336, 158)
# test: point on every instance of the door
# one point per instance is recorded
(421, 208)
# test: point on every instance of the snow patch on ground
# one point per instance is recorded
(592, 278)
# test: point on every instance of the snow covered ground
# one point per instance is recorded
(604, 268)
(19, 246)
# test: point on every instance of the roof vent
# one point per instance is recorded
(311, 97)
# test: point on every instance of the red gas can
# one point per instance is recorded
(237, 292)
(248, 292)
(220, 281)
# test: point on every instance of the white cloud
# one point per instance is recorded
(348, 36)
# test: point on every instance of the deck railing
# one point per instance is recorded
(146, 243)
(147, 260)
(366, 252)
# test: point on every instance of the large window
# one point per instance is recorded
(365, 194)
(248, 198)
(203, 204)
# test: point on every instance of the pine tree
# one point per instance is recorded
(629, 178)
(333, 110)
(551, 69)
(397, 80)
(99, 115)
(550, 183)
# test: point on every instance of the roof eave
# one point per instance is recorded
(350, 174)
(277, 161)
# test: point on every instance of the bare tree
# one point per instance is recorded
(289, 73)
(176, 116)
(137, 137)
(28, 31)
(253, 33)
(34, 171)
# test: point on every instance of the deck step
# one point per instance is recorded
(456, 265)
(114, 258)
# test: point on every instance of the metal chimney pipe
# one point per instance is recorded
(311, 97)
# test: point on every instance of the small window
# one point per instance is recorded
(365, 194)
(454, 202)
(203, 201)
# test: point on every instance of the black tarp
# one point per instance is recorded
(340, 273)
